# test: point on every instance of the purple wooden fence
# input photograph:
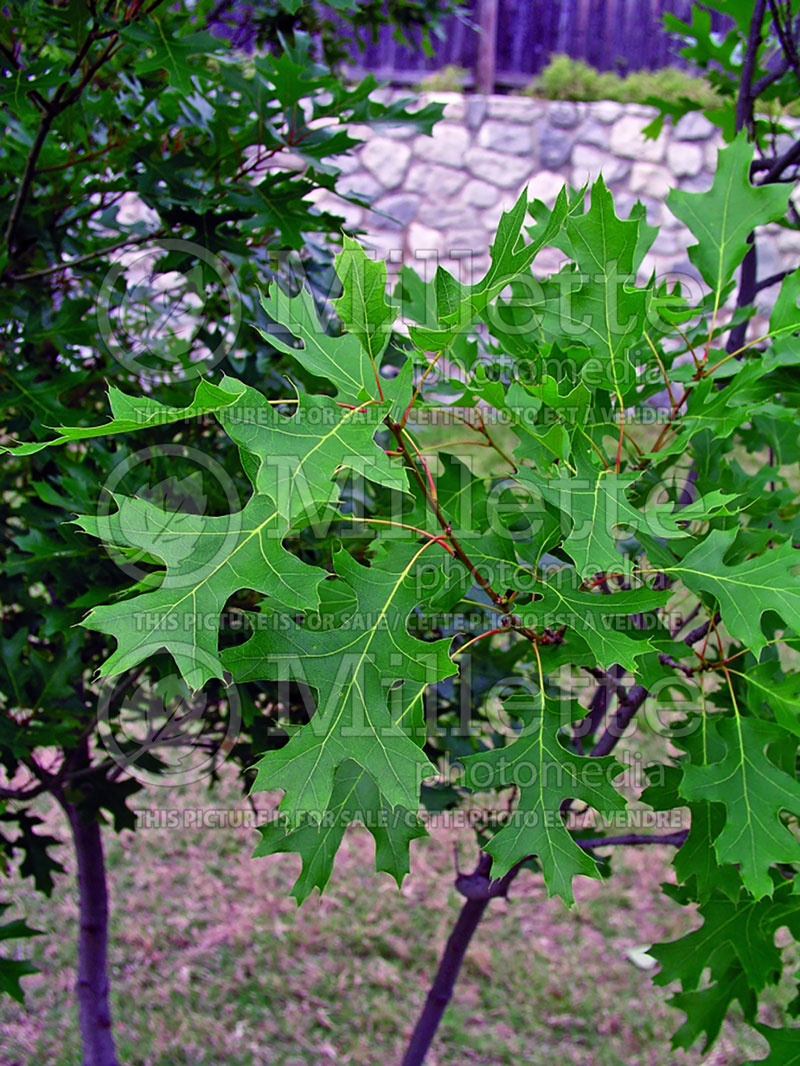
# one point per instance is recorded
(621, 35)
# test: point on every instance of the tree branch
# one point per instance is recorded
(773, 279)
(479, 890)
(744, 99)
(785, 38)
(125, 242)
(790, 156)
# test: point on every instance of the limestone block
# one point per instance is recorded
(649, 178)
(479, 193)
(700, 183)
(555, 147)
(548, 261)
(545, 185)
(387, 160)
(710, 153)
(434, 181)
(671, 242)
(506, 171)
(466, 244)
(642, 110)
(386, 244)
(335, 205)
(349, 163)
(360, 184)
(400, 133)
(513, 137)
(401, 208)
(515, 108)
(685, 159)
(454, 104)
(476, 111)
(693, 126)
(360, 131)
(593, 133)
(447, 145)
(627, 140)
(588, 163)
(605, 111)
(447, 216)
(787, 240)
(564, 114)
(492, 215)
(423, 242)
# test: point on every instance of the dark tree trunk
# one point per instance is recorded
(442, 988)
(92, 985)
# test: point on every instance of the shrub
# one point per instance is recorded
(565, 78)
(450, 79)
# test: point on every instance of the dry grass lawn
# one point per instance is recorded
(213, 963)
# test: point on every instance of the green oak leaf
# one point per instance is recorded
(780, 694)
(351, 669)
(510, 257)
(447, 292)
(725, 215)
(341, 360)
(721, 411)
(207, 560)
(747, 590)
(546, 774)
(596, 301)
(695, 861)
(295, 457)
(754, 792)
(696, 857)
(169, 52)
(559, 602)
(463, 501)
(11, 970)
(784, 325)
(363, 307)
(784, 1046)
(355, 797)
(132, 413)
(706, 1008)
(742, 929)
(298, 456)
(595, 507)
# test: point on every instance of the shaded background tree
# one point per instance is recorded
(144, 201)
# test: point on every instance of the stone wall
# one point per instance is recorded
(439, 198)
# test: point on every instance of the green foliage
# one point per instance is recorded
(537, 758)
(564, 551)
(154, 182)
(11, 970)
(764, 61)
(722, 236)
(450, 79)
(565, 78)
(385, 581)
(336, 24)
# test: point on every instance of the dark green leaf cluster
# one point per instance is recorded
(580, 531)
(152, 179)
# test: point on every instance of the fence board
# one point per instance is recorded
(621, 35)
